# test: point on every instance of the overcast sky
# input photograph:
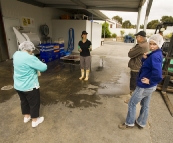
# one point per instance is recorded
(159, 8)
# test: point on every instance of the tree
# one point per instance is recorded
(126, 24)
(142, 26)
(152, 24)
(105, 26)
(117, 18)
(166, 19)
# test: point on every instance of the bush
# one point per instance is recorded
(122, 32)
(114, 35)
(168, 36)
(132, 35)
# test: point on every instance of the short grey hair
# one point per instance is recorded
(27, 46)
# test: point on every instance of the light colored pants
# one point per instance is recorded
(143, 96)
(85, 62)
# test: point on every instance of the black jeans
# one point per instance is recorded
(133, 80)
(30, 102)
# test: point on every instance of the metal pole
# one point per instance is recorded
(92, 28)
(104, 29)
(147, 13)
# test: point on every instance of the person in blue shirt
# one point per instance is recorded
(149, 76)
(26, 69)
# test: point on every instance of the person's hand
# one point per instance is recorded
(145, 55)
(90, 49)
(145, 80)
(80, 50)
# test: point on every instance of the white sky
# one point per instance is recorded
(159, 8)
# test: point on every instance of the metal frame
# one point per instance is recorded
(78, 4)
(167, 76)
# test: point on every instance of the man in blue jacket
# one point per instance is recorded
(149, 76)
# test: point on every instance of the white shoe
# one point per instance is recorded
(39, 121)
(26, 120)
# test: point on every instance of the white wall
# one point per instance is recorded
(96, 35)
(16, 9)
(61, 28)
(88, 29)
(149, 32)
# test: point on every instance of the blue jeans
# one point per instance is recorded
(143, 96)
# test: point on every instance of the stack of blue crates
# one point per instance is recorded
(62, 51)
(49, 52)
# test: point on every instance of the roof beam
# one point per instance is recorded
(79, 3)
(98, 14)
(63, 6)
(114, 8)
(33, 2)
(93, 7)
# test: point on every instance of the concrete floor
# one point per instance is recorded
(83, 112)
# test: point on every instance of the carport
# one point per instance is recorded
(13, 10)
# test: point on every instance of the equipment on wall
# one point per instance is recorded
(22, 35)
(70, 41)
(45, 32)
(80, 17)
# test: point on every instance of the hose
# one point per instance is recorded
(70, 42)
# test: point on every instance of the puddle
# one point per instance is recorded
(117, 86)
(60, 85)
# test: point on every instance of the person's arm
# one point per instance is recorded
(136, 51)
(79, 48)
(90, 46)
(156, 76)
(36, 64)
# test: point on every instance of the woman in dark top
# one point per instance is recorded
(84, 47)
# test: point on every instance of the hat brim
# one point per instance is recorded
(139, 35)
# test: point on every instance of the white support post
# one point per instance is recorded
(147, 13)
(138, 22)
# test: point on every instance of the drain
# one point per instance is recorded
(8, 87)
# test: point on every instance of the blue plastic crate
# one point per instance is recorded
(62, 53)
(56, 55)
(46, 50)
(47, 59)
(61, 46)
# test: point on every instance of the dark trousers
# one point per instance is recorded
(133, 80)
(30, 102)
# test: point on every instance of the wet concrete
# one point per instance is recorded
(75, 111)
(6, 78)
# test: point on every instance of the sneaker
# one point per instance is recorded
(39, 121)
(26, 120)
(139, 127)
(124, 126)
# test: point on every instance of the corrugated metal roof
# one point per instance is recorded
(91, 6)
